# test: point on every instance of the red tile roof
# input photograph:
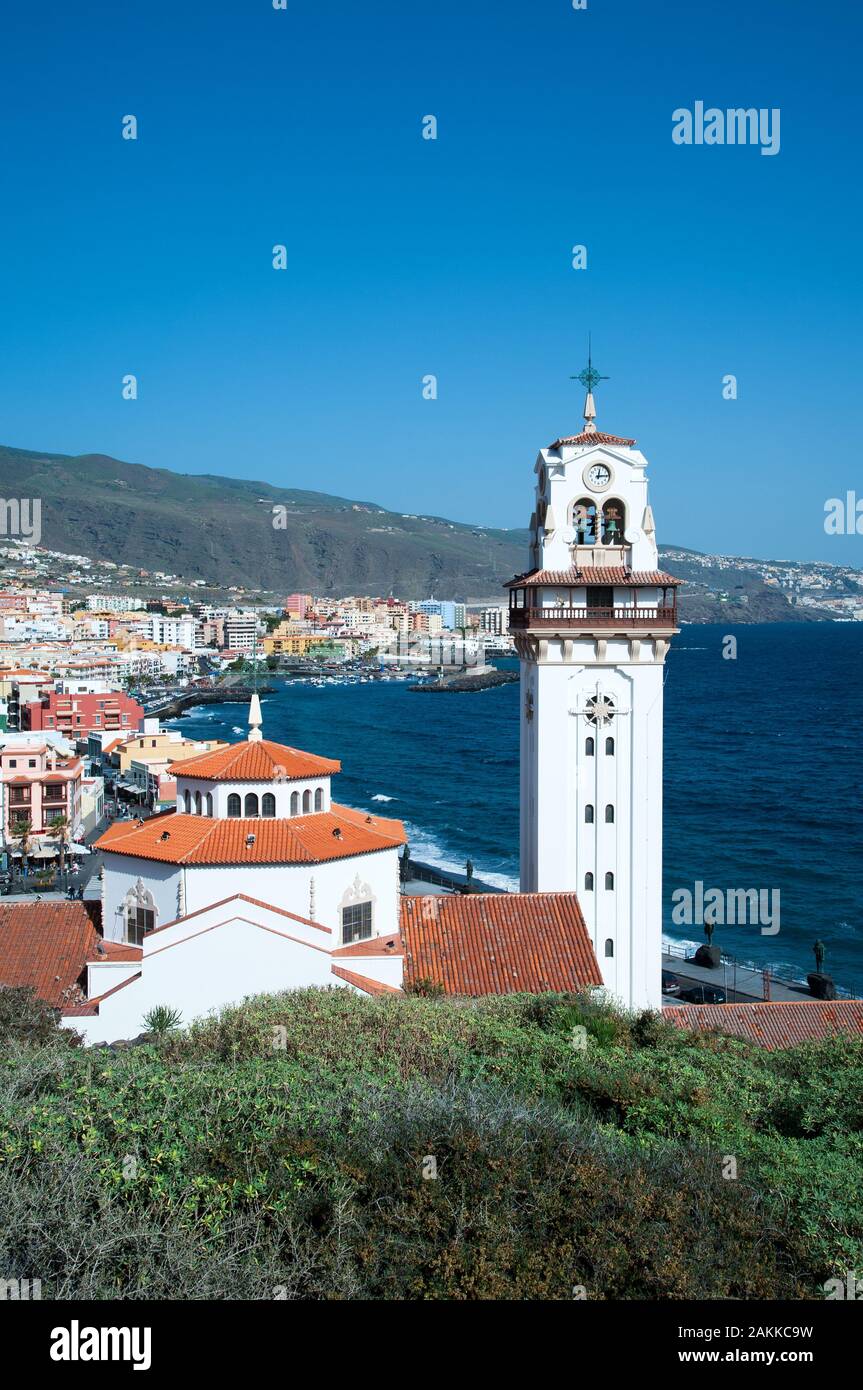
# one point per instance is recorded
(375, 946)
(782, 1023)
(260, 761)
(175, 838)
(608, 574)
(364, 983)
(591, 437)
(498, 943)
(46, 945)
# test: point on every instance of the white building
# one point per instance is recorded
(592, 622)
(258, 882)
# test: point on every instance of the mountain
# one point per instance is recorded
(221, 531)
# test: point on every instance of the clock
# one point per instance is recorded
(598, 476)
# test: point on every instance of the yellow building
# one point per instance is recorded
(163, 748)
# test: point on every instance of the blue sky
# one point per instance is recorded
(452, 257)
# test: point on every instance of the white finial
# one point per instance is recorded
(589, 414)
(255, 719)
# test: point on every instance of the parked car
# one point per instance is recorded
(703, 994)
(670, 983)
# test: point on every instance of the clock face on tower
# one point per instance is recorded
(598, 476)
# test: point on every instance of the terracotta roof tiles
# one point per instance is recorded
(607, 574)
(176, 838)
(779, 1023)
(260, 761)
(591, 437)
(498, 943)
(46, 945)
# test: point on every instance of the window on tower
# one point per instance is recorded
(589, 747)
(251, 806)
(582, 518)
(588, 814)
(609, 814)
(319, 798)
(609, 946)
(234, 805)
(268, 805)
(613, 521)
(295, 803)
(307, 802)
(609, 747)
(609, 882)
(588, 883)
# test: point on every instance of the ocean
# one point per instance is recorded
(763, 774)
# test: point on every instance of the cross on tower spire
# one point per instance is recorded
(589, 378)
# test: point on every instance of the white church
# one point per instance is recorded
(258, 881)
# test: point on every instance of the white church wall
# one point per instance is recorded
(208, 968)
(121, 873)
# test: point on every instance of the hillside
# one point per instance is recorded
(220, 531)
(321, 1145)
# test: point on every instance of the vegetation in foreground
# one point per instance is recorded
(286, 1149)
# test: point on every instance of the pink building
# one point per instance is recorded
(297, 604)
(39, 786)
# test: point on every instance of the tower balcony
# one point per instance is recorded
(619, 618)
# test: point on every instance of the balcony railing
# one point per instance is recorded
(617, 617)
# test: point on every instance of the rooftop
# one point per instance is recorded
(45, 945)
(498, 943)
(779, 1023)
(175, 838)
(258, 761)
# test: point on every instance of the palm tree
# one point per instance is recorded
(59, 831)
(22, 830)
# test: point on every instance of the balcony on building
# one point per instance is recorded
(586, 607)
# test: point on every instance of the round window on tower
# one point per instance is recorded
(599, 710)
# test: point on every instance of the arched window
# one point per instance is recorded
(319, 798)
(588, 814)
(268, 804)
(609, 946)
(209, 803)
(307, 802)
(139, 910)
(251, 806)
(295, 803)
(187, 802)
(613, 523)
(609, 747)
(198, 805)
(589, 747)
(609, 814)
(609, 882)
(234, 804)
(588, 883)
(582, 518)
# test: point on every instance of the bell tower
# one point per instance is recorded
(592, 620)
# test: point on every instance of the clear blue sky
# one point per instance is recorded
(452, 257)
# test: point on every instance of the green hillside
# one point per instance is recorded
(221, 530)
(322, 1145)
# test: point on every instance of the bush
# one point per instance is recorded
(337, 1147)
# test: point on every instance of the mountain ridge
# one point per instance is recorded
(228, 532)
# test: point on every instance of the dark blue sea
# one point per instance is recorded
(763, 774)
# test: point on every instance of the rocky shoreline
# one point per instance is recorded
(462, 682)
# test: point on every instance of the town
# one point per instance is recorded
(83, 682)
